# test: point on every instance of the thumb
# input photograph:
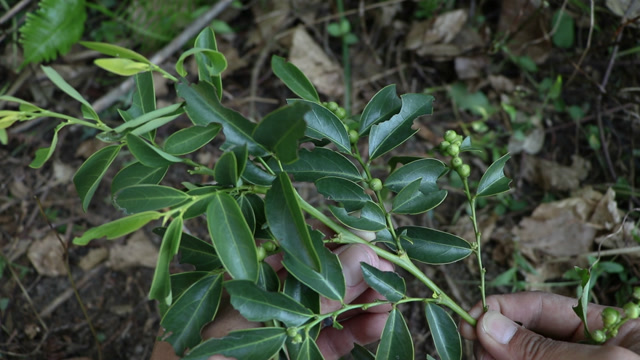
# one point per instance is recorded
(503, 339)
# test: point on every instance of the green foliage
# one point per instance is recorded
(253, 196)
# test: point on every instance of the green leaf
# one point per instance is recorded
(149, 155)
(387, 283)
(115, 51)
(583, 297)
(207, 39)
(381, 107)
(428, 170)
(52, 29)
(371, 218)
(320, 162)
(250, 344)
(348, 193)
(294, 79)
(117, 228)
(287, 223)
(144, 95)
(433, 246)
(180, 282)
(322, 123)
(203, 108)
(122, 67)
(360, 352)
(309, 350)
(199, 206)
(301, 293)
(139, 198)
(247, 211)
(563, 24)
(188, 140)
(256, 175)
(171, 110)
(411, 200)
(198, 253)
(69, 90)
(44, 154)
(161, 284)
(256, 304)
(226, 169)
(217, 63)
(477, 102)
(280, 131)
(494, 181)
(92, 171)
(232, 237)
(137, 174)
(194, 309)
(387, 135)
(268, 278)
(444, 332)
(395, 342)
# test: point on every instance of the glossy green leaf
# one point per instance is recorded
(348, 193)
(388, 283)
(91, 172)
(217, 62)
(301, 293)
(280, 131)
(117, 228)
(294, 79)
(384, 104)
(115, 51)
(322, 123)
(242, 157)
(247, 211)
(203, 108)
(171, 110)
(199, 206)
(386, 136)
(287, 222)
(122, 67)
(69, 90)
(433, 246)
(149, 155)
(329, 282)
(137, 174)
(193, 309)
(139, 198)
(428, 170)
(411, 200)
(494, 181)
(250, 344)
(44, 154)
(161, 284)
(444, 332)
(256, 304)
(564, 29)
(198, 253)
(188, 140)
(583, 297)
(256, 175)
(268, 278)
(180, 282)
(207, 39)
(232, 237)
(226, 169)
(371, 217)
(144, 95)
(395, 342)
(309, 350)
(320, 162)
(153, 125)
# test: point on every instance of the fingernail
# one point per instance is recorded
(351, 259)
(500, 328)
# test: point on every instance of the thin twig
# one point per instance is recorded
(14, 10)
(589, 37)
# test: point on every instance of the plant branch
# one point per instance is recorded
(478, 248)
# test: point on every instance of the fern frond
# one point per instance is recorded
(52, 29)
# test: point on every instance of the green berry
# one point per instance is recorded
(291, 332)
(341, 113)
(270, 246)
(375, 184)
(636, 292)
(262, 253)
(444, 146)
(458, 140)
(450, 135)
(353, 136)
(453, 150)
(333, 106)
(456, 162)
(631, 310)
(599, 336)
(297, 339)
(464, 171)
(610, 316)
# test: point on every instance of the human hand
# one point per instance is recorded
(550, 330)
(360, 327)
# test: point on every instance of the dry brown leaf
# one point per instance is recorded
(533, 140)
(270, 16)
(93, 258)
(606, 213)
(62, 173)
(527, 26)
(442, 30)
(309, 57)
(501, 84)
(89, 147)
(47, 256)
(551, 175)
(464, 227)
(138, 251)
(470, 67)
(621, 237)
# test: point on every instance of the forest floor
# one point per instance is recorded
(493, 68)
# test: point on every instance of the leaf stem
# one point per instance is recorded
(478, 245)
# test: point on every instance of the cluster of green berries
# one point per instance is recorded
(451, 146)
(341, 113)
(612, 319)
(266, 249)
(338, 110)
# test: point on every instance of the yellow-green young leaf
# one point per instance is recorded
(124, 67)
(42, 155)
(175, 109)
(207, 39)
(55, 78)
(117, 228)
(4, 138)
(91, 172)
(395, 342)
(494, 181)
(217, 62)
(280, 131)
(232, 237)
(251, 344)
(115, 50)
(161, 284)
(583, 300)
(444, 332)
(294, 79)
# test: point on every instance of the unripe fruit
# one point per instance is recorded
(270, 246)
(291, 332)
(341, 113)
(444, 146)
(353, 136)
(464, 171)
(450, 136)
(375, 184)
(599, 336)
(631, 310)
(456, 162)
(453, 150)
(262, 253)
(636, 292)
(610, 316)
(333, 106)
(297, 339)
